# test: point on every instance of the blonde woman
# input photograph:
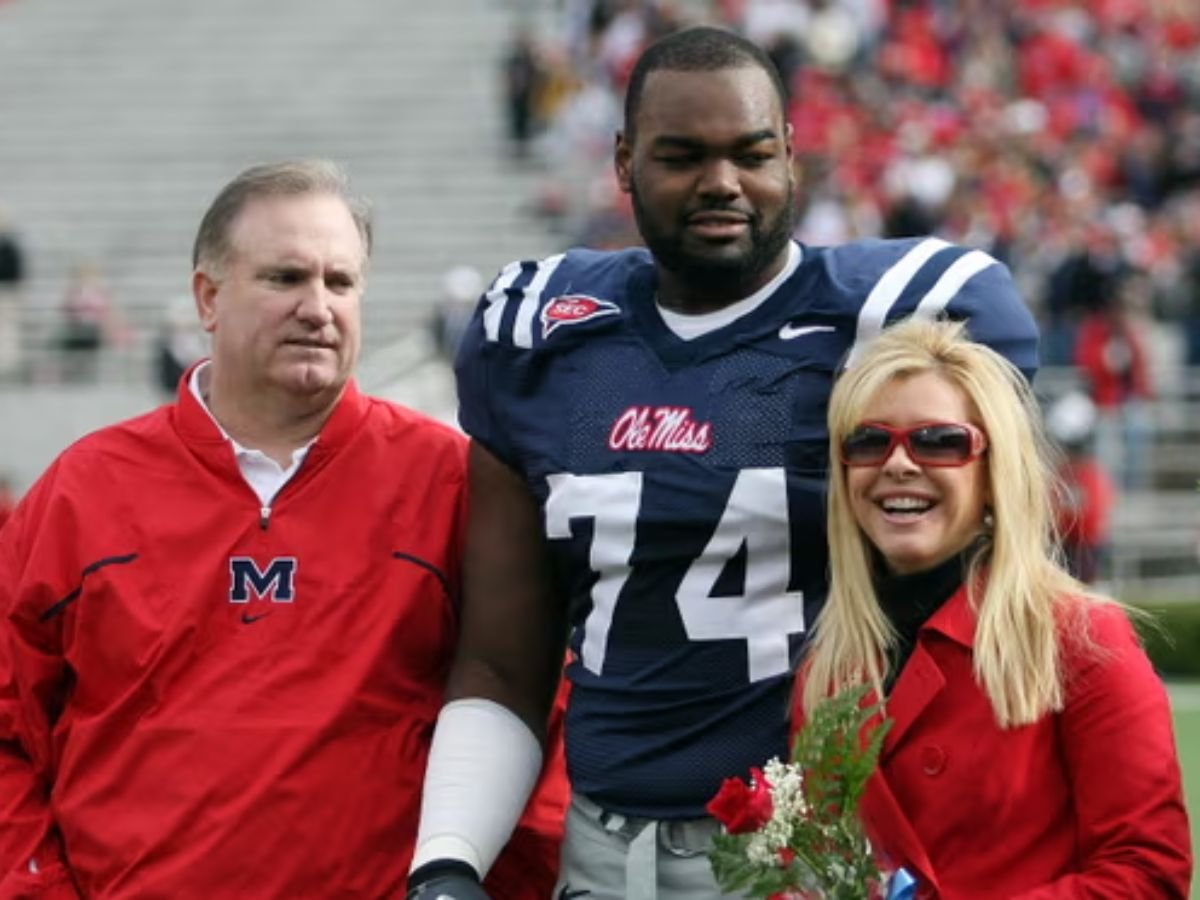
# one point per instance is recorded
(1031, 752)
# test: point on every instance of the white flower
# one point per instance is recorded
(787, 795)
(759, 851)
(788, 806)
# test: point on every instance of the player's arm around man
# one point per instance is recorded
(652, 421)
(501, 689)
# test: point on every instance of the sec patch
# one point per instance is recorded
(571, 309)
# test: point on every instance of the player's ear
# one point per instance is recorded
(793, 168)
(623, 162)
(204, 290)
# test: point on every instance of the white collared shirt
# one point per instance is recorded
(265, 476)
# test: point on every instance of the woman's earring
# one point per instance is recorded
(989, 520)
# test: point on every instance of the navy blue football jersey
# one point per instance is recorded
(683, 486)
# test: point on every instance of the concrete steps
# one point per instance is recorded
(122, 119)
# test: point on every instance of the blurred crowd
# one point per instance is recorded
(89, 320)
(1063, 138)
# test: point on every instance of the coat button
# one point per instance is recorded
(933, 760)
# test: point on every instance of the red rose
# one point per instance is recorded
(743, 808)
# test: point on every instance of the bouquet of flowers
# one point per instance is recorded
(794, 830)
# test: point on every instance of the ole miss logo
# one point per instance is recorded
(277, 582)
(571, 309)
(670, 429)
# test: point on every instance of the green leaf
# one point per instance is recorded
(836, 750)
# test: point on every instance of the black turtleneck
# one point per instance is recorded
(909, 600)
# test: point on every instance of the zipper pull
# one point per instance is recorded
(264, 516)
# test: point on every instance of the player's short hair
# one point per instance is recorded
(293, 178)
(702, 48)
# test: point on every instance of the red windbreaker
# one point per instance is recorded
(202, 698)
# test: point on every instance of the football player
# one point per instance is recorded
(647, 469)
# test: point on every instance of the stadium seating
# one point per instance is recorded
(121, 119)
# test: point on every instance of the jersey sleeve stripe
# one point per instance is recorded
(497, 299)
(947, 287)
(523, 329)
(887, 291)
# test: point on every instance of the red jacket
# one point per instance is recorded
(1083, 803)
(1112, 356)
(200, 701)
(1084, 513)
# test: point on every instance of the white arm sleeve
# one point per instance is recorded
(483, 765)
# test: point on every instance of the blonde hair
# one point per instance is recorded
(1016, 650)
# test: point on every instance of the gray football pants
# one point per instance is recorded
(608, 856)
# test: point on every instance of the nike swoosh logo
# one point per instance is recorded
(567, 894)
(248, 619)
(790, 332)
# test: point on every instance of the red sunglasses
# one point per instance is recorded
(927, 444)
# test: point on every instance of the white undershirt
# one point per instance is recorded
(690, 326)
(263, 474)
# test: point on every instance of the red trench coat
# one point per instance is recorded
(1082, 803)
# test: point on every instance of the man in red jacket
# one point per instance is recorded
(227, 624)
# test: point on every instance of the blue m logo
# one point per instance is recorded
(276, 583)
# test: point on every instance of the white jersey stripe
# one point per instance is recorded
(887, 291)
(497, 298)
(951, 282)
(523, 328)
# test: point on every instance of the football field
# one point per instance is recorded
(1185, 700)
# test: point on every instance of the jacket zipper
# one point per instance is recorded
(264, 511)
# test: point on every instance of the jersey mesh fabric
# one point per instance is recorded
(691, 547)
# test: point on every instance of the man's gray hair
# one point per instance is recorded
(293, 178)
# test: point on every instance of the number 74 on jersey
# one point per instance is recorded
(755, 516)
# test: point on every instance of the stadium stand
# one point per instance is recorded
(1062, 138)
(119, 120)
